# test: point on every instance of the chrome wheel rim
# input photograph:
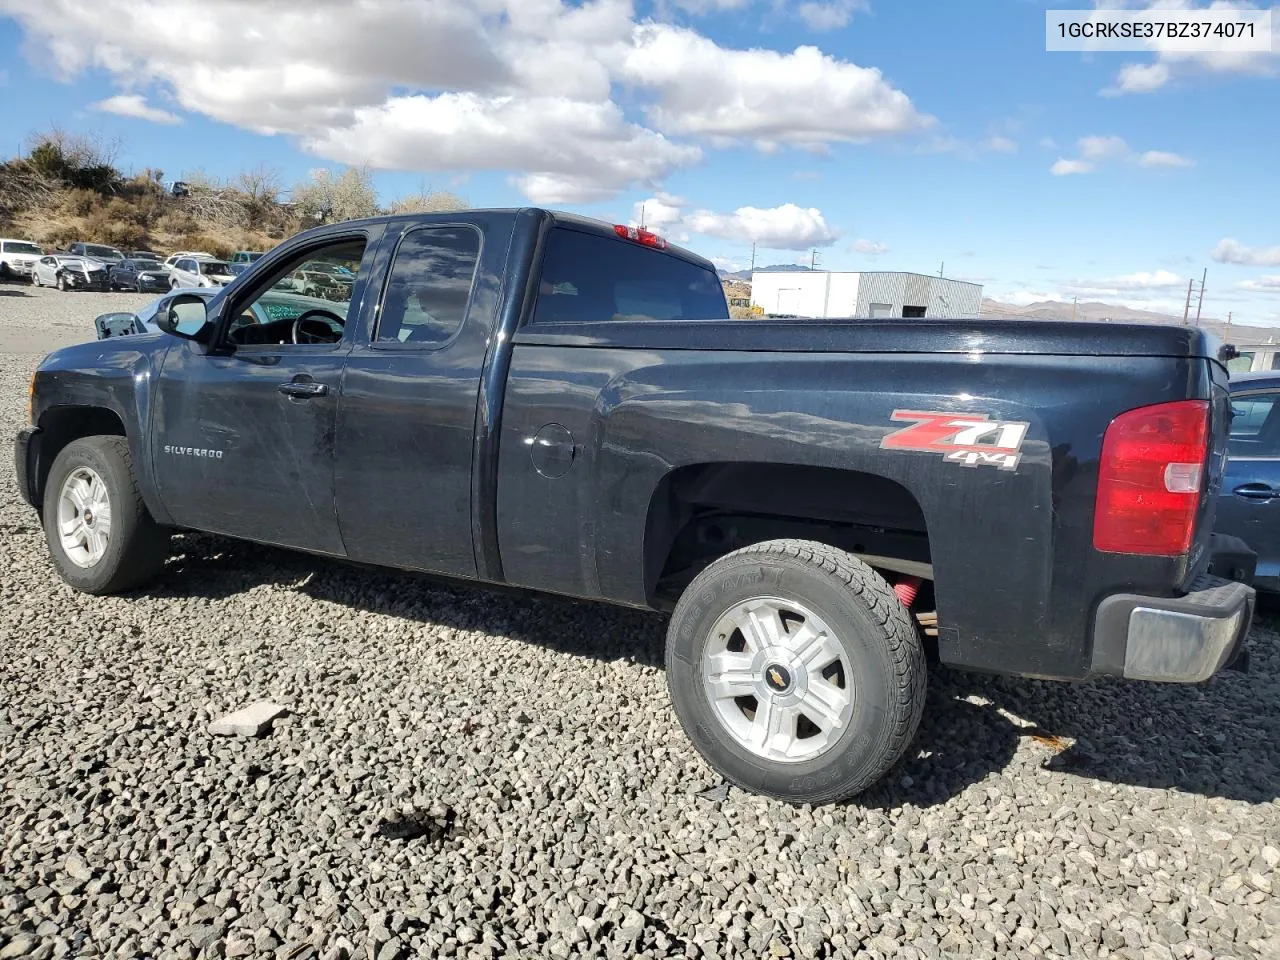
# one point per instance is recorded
(84, 517)
(778, 680)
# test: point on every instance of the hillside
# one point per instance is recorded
(67, 188)
(1097, 312)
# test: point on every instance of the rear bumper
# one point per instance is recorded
(1173, 639)
(24, 450)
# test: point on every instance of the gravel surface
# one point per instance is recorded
(35, 320)
(469, 773)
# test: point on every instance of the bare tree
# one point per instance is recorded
(428, 201)
(262, 184)
(327, 198)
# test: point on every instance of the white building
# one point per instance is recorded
(822, 293)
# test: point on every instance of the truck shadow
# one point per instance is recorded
(1215, 739)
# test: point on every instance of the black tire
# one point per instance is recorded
(5, 275)
(137, 285)
(876, 633)
(136, 547)
(62, 283)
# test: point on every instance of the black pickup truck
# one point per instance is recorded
(535, 399)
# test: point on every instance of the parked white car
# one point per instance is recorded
(18, 258)
(199, 272)
(69, 273)
(173, 258)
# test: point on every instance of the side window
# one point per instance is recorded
(1240, 363)
(587, 277)
(1255, 426)
(277, 312)
(429, 286)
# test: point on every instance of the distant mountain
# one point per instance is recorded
(775, 268)
(1094, 312)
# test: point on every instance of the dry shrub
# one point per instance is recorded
(56, 235)
(177, 222)
(79, 202)
(217, 246)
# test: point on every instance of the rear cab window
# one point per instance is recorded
(588, 278)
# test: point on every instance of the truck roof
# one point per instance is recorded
(577, 221)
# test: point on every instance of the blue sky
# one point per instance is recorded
(1109, 176)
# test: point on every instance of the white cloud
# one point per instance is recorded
(829, 15)
(1264, 284)
(1162, 158)
(1000, 144)
(595, 152)
(1140, 78)
(1024, 298)
(872, 248)
(1097, 150)
(1101, 148)
(1229, 250)
(1159, 280)
(532, 87)
(787, 227)
(1148, 77)
(659, 212)
(135, 105)
(1065, 167)
(801, 98)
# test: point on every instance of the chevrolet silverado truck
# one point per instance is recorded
(533, 399)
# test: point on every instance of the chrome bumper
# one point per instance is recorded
(1173, 639)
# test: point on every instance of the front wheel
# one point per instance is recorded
(100, 534)
(795, 671)
(62, 284)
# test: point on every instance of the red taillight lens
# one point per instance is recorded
(647, 237)
(1150, 477)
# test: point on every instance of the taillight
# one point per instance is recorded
(640, 235)
(1150, 477)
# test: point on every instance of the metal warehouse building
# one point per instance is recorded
(819, 293)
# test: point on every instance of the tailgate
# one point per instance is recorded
(1220, 428)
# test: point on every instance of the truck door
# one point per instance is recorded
(1249, 505)
(242, 435)
(408, 409)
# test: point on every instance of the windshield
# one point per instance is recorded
(95, 250)
(212, 267)
(19, 246)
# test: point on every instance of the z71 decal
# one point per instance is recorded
(969, 439)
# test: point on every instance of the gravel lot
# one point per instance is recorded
(530, 742)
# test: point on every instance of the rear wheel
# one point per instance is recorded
(795, 671)
(100, 535)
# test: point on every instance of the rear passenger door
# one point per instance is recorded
(408, 410)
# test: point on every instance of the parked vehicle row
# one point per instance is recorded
(98, 266)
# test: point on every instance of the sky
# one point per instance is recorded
(918, 135)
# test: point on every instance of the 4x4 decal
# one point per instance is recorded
(969, 439)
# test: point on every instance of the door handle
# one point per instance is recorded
(1256, 491)
(303, 389)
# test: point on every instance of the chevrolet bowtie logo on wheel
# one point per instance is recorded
(969, 439)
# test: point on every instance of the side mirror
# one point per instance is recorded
(185, 316)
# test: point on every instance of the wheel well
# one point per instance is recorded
(700, 513)
(61, 425)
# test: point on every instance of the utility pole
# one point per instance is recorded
(1186, 310)
(813, 259)
(642, 206)
(1201, 303)
(1228, 318)
(941, 266)
(753, 258)
(1074, 301)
